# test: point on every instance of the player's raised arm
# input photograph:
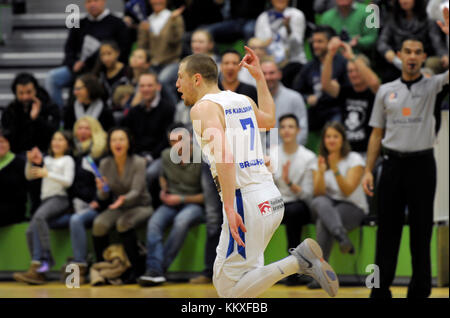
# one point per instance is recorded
(212, 130)
(265, 114)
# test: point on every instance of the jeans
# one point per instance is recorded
(57, 79)
(77, 224)
(38, 233)
(332, 215)
(159, 256)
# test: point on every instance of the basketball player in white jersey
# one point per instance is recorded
(227, 125)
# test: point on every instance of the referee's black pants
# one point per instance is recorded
(405, 182)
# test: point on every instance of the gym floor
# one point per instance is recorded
(181, 290)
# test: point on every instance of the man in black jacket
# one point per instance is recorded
(82, 45)
(31, 119)
(148, 122)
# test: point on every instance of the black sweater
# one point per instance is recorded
(109, 28)
(149, 127)
(13, 194)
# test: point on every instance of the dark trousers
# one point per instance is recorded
(405, 182)
(214, 219)
(296, 214)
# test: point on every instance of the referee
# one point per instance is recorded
(404, 132)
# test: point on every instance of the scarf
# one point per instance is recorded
(94, 109)
(7, 159)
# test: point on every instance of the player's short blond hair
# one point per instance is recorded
(201, 64)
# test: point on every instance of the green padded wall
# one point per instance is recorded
(14, 255)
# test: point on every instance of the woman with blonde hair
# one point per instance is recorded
(89, 138)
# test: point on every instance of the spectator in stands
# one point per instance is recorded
(239, 19)
(284, 28)
(140, 61)
(148, 122)
(322, 107)
(202, 42)
(162, 35)
(260, 48)
(348, 19)
(110, 71)
(31, 118)
(182, 198)
(57, 176)
(357, 99)
(13, 194)
(89, 140)
(135, 11)
(82, 46)
(287, 100)
(292, 165)
(229, 70)
(88, 101)
(339, 203)
(409, 19)
(320, 6)
(124, 174)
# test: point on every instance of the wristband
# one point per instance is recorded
(182, 199)
(337, 173)
(289, 184)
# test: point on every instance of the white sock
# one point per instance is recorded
(257, 281)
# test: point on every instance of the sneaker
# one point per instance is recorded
(310, 258)
(151, 278)
(44, 268)
(202, 279)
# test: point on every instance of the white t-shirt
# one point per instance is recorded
(303, 162)
(158, 21)
(358, 197)
(61, 173)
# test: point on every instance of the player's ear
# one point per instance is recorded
(197, 79)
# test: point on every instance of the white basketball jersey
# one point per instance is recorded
(243, 136)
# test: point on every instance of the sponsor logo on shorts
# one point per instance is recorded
(277, 204)
(270, 206)
(265, 208)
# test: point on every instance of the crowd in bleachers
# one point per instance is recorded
(101, 158)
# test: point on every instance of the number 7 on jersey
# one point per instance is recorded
(249, 122)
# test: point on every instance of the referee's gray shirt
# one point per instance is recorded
(407, 114)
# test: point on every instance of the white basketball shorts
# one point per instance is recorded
(261, 208)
